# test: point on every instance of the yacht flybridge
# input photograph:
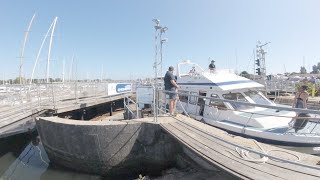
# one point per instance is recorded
(234, 103)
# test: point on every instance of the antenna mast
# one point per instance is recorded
(261, 60)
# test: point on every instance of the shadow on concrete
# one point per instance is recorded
(116, 150)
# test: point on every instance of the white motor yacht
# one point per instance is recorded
(213, 96)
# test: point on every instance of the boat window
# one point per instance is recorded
(190, 70)
(237, 97)
(200, 99)
(257, 97)
(193, 99)
(183, 98)
(216, 103)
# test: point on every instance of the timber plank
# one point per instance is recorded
(225, 162)
(221, 147)
(285, 166)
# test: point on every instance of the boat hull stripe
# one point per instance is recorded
(218, 84)
(273, 141)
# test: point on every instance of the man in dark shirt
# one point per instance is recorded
(171, 85)
(212, 67)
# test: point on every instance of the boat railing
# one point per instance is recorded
(280, 85)
(312, 125)
(143, 96)
(206, 72)
(281, 108)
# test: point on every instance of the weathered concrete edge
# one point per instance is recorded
(101, 147)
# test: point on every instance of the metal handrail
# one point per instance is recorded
(127, 107)
(252, 113)
(250, 104)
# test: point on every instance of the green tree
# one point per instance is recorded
(303, 70)
(17, 80)
(315, 69)
(58, 80)
(318, 66)
(245, 74)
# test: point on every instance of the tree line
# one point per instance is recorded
(315, 69)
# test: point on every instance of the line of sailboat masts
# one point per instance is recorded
(52, 28)
(51, 31)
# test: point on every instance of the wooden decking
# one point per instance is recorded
(219, 148)
(71, 105)
(20, 118)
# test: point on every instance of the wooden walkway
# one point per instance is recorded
(219, 148)
(71, 105)
(20, 118)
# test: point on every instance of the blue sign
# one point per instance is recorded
(121, 88)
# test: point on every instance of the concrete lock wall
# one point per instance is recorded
(107, 147)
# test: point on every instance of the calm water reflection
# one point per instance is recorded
(23, 157)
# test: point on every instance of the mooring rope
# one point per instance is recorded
(244, 154)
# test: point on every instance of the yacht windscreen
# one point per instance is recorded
(237, 97)
(257, 97)
(190, 69)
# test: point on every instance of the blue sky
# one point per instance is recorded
(118, 35)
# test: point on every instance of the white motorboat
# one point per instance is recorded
(3, 89)
(268, 123)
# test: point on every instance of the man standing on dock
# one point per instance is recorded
(171, 85)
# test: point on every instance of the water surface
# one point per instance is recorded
(23, 157)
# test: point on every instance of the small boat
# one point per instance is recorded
(213, 97)
(3, 89)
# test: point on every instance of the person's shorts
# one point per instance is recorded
(172, 96)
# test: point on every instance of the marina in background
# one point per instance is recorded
(226, 127)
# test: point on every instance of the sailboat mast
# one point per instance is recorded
(71, 69)
(50, 44)
(101, 74)
(26, 35)
(63, 66)
(39, 52)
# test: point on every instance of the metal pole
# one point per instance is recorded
(154, 105)
(71, 69)
(156, 74)
(111, 108)
(53, 100)
(254, 65)
(39, 95)
(137, 106)
(75, 91)
(127, 104)
(63, 66)
(101, 78)
(50, 44)
(161, 53)
(23, 48)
